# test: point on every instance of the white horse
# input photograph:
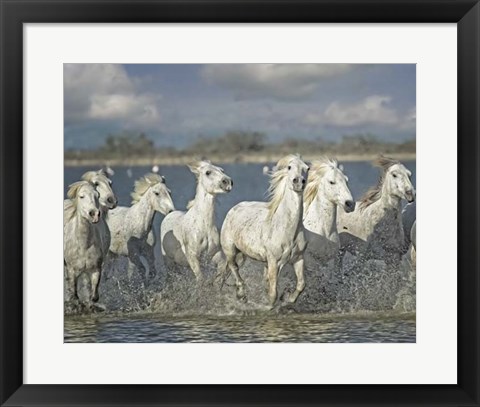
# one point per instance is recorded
(108, 201)
(326, 190)
(130, 226)
(82, 251)
(375, 229)
(270, 232)
(186, 237)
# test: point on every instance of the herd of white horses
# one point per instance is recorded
(309, 220)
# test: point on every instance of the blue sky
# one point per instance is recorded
(175, 104)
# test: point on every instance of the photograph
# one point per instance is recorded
(239, 203)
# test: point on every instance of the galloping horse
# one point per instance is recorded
(326, 190)
(82, 249)
(375, 229)
(270, 232)
(130, 226)
(188, 236)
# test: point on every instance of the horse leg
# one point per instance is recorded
(221, 263)
(338, 262)
(238, 281)
(71, 284)
(94, 282)
(150, 258)
(272, 273)
(298, 266)
(194, 264)
(413, 256)
(134, 263)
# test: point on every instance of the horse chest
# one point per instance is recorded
(205, 241)
(292, 248)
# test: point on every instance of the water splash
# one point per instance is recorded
(367, 286)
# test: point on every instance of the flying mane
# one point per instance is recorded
(143, 184)
(275, 193)
(374, 193)
(318, 169)
(70, 204)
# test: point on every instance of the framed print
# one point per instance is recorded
(278, 143)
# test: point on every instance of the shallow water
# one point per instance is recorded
(287, 328)
(368, 303)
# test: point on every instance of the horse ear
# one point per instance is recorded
(340, 167)
(104, 172)
(193, 167)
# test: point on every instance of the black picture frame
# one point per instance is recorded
(14, 13)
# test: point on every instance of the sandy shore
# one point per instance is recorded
(219, 159)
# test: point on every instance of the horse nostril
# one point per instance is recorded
(92, 213)
(303, 181)
(349, 204)
(295, 180)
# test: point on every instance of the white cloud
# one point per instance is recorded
(280, 81)
(373, 110)
(106, 92)
(409, 121)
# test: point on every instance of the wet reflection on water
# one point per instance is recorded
(289, 328)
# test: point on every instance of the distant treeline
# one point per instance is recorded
(128, 146)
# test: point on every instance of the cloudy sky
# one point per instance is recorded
(175, 104)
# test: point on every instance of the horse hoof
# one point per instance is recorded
(99, 307)
(242, 298)
(286, 296)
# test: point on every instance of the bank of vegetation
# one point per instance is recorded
(234, 146)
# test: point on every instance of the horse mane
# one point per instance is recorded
(275, 194)
(69, 206)
(89, 175)
(143, 184)
(374, 193)
(318, 168)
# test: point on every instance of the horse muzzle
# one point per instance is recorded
(299, 184)
(349, 206)
(410, 196)
(94, 216)
(111, 202)
(227, 184)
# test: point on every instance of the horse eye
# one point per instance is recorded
(208, 172)
(394, 175)
(289, 167)
(308, 169)
(332, 183)
(96, 183)
(82, 196)
(156, 193)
